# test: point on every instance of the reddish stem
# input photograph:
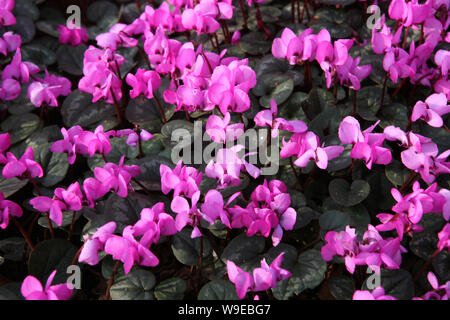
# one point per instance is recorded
(24, 234)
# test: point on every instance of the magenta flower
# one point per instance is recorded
(228, 165)
(32, 289)
(444, 238)
(235, 38)
(306, 146)
(72, 35)
(96, 243)
(186, 214)
(366, 145)
(5, 143)
(267, 118)
(69, 143)
(87, 142)
(396, 63)
(133, 137)
(182, 179)
(213, 207)
(153, 223)
(221, 131)
(9, 89)
(442, 59)
(130, 251)
(18, 70)
(116, 36)
(261, 279)
(439, 292)
(10, 42)
(376, 294)
(8, 208)
(23, 168)
(72, 197)
(93, 190)
(432, 110)
(144, 82)
(344, 244)
(54, 207)
(117, 177)
(350, 74)
(230, 85)
(6, 16)
(46, 91)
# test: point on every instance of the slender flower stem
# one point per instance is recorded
(412, 175)
(212, 43)
(71, 226)
(382, 93)
(241, 5)
(421, 34)
(50, 226)
(207, 61)
(116, 105)
(300, 15)
(111, 280)
(406, 37)
(74, 261)
(398, 88)
(138, 5)
(308, 76)
(242, 120)
(35, 185)
(160, 108)
(305, 3)
(24, 234)
(292, 11)
(145, 56)
(354, 101)
(425, 266)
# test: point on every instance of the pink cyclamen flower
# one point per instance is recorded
(267, 118)
(306, 146)
(127, 249)
(19, 70)
(46, 91)
(9, 89)
(117, 177)
(24, 167)
(88, 142)
(228, 165)
(439, 292)
(444, 238)
(220, 129)
(96, 243)
(153, 223)
(72, 35)
(69, 143)
(8, 208)
(54, 207)
(6, 16)
(235, 38)
(9, 42)
(366, 145)
(133, 137)
(116, 36)
(5, 143)
(432, 110)
(144, 82)
(71, 196)
(344, 244)
(183, 180)
(376, 294)
(32, 289)
(261, 279)
(186, 214)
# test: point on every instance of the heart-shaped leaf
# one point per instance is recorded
(348, 195)
(136, 285)
(170, 289)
